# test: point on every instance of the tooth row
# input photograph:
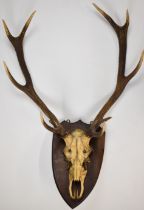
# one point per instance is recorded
(75, 195)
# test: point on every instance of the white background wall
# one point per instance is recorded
(72, 54)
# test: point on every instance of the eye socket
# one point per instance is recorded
(84, 151)
(69, 150)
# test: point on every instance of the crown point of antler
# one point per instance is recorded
(127, 19)
(94, 4)
(26, 25)
(127, 15)
(98, 8)
(30, 18)
(6, 28)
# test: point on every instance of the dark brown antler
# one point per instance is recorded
(28, 88)
(122, 80)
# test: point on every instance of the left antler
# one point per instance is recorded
(28, 88)
(122, 80)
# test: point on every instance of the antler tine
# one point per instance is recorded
(54, 130)
(110, 20)
(135, 71)
(21, 35)
(19, 86)
(26, 25)
(17, 43)
(122, 80)
(28, 88)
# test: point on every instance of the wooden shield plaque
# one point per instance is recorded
(88, 172)
(60, 165)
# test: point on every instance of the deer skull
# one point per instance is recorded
(77, 152)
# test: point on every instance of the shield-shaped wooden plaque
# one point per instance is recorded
(60, 165)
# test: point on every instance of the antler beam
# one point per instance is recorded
(122, 80)
(28, 88)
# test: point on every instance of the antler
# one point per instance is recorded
(122, 80)
(28, 88)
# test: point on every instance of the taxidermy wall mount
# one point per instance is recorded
(77, 145)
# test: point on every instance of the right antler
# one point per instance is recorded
(122, 80)
(28, 88)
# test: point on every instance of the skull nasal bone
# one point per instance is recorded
(77, 169)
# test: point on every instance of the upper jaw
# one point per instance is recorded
(76, 185)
